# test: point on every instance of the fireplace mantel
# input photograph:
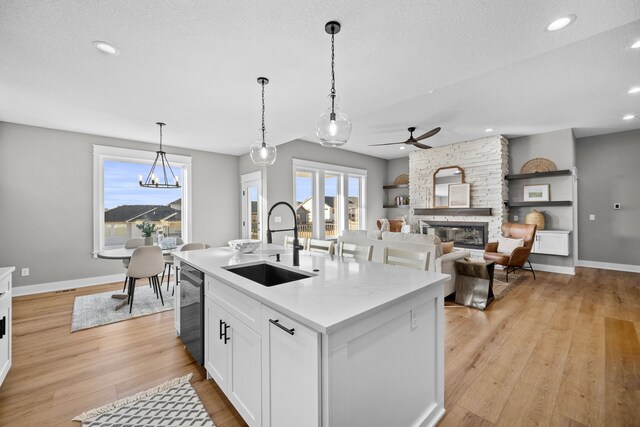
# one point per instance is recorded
(453, 211)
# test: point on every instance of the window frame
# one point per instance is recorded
(102, 153)
(319, 171)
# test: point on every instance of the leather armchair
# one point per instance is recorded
(520, 255)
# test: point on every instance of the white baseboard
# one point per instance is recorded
(65, 284)
(609, 266)
(554, 269)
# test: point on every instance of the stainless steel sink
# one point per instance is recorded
(267, 274)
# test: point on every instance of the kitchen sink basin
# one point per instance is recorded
(267, 274)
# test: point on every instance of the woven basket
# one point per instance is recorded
(401, 179)
(535, 217)
(538, 165)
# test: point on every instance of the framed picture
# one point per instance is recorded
(536, 193)
(459, 195)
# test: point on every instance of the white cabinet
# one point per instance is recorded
(290, 372)
(551, 242)
(5, 322)
(233, 359)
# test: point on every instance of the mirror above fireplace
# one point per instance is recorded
(442, 178)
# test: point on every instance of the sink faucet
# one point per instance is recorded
(296, 243)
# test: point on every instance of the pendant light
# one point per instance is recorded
(152, 180)
(334, 126)
(263, 154)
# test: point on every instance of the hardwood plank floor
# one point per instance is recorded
(557, 351)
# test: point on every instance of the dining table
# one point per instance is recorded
(122, 254)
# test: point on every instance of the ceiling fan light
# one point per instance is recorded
(334, 125)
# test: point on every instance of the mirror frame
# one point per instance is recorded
(433, 201)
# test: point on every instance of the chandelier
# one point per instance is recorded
(153, 181)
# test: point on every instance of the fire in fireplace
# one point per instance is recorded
(473, 235)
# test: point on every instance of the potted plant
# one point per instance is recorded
(147, 229)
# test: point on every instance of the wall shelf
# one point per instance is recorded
(391, 186)
(396, 206)
(454, 211)
(534, 204)
(538, 174)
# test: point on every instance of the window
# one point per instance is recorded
(120, 204)
(341, 191)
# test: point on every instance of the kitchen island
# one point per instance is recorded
(351, 343)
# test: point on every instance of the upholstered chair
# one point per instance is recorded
(146, 262)
(520, 255)
(136, 242)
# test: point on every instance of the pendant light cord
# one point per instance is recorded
(160, 136)
(263, 128)
(333, 72)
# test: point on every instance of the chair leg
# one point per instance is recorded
(159, 289)
(531, 267)
(132, 291)
(125, 284)
(507, 274)
(168, 277)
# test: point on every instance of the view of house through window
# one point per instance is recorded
(342, 194)
(126, 204)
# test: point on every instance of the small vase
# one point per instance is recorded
(148, 241)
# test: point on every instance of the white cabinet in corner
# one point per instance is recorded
(5, 321)
(233, 353)
(551, 242)
(290, 372)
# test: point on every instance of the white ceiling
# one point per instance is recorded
(194, 65)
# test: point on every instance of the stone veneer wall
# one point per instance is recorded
(485, 162)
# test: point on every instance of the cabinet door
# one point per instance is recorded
(552, 244)
(216, 354)
(244, 371)
(5, 341)
(290, 372)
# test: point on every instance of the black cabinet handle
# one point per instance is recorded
(221, 323)
(277, 323)
(3, 326)
(226, 338)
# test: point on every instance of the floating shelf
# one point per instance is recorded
(390, 186)
(538, 174)
(534, 204)
(454, 211)
(396, 206)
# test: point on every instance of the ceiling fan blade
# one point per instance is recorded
(417, 144)
(388, 143)
(428, 134)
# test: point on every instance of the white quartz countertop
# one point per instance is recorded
(5, 271)
(341, 291)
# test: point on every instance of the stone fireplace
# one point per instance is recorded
(463, 234)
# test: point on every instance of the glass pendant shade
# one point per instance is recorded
(262, 153)
(334, 125)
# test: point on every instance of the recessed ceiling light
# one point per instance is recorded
(488, 130)
(403, 147)
(636, 45)
(560, 23)
(634, 89)
(431, 91)
(106, 47)
(629, 117)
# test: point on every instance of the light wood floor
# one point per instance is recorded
(558, 351)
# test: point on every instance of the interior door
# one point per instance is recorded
(252, 206)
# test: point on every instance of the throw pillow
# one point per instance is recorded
(447, 247)
(507, 245)
(383, 224)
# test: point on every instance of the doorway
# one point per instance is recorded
(252, 201)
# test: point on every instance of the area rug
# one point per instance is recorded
(173, 403)
(94, 310)
(501, 287)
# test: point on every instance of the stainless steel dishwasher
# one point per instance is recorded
(192, 311)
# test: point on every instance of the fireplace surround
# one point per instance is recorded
(463, 234)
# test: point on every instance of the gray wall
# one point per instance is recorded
(559, 147)
(609, 172)
(280, 176)
(46, 188)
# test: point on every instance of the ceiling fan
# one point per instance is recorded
(412, 140)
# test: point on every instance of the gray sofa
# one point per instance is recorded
(439, 262)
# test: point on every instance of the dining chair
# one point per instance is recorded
(349, 250)
(406, 258)
(146, 262)
(168, 262)
(322, 246)
(131, 244)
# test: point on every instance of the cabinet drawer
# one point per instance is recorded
(243, 307)
(5, 284)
